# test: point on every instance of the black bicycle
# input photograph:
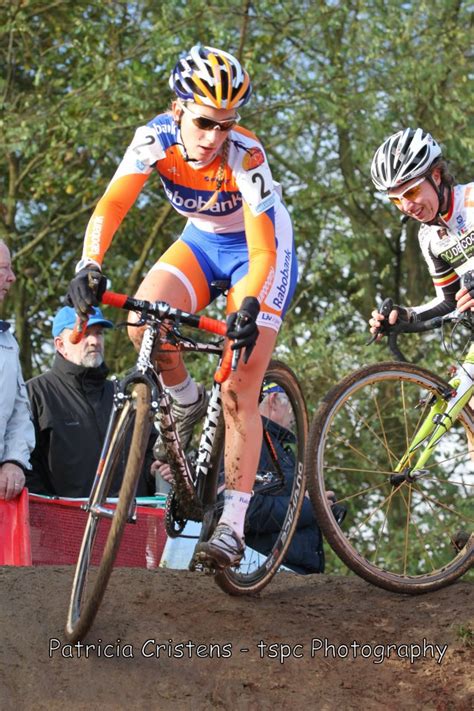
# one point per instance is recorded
(396, 442)
(140, 401)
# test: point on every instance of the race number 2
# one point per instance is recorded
(258, 178)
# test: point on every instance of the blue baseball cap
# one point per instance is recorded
(66, 318)
(271, 388)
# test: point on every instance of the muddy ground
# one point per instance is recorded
(349, 645)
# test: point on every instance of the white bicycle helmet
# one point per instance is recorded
(405, 155)
(211, 77)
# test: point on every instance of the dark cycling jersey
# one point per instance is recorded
(449, 251)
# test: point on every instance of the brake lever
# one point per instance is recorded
(235, 359)
(236, 354)
(385, 310)
(174, 336)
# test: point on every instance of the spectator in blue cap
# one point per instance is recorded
(71, 405)
(89, 352)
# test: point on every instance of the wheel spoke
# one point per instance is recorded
(357, 494)
(333, 467)
(441, 505)
(375, 510)
(384, 434)
(363, 420)
(419, 534)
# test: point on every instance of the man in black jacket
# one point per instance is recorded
(71, 404)
(266, 514)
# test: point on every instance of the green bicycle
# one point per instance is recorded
(396, 442)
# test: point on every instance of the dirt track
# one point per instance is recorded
(176, 607)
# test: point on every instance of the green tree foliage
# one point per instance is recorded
(331, 80)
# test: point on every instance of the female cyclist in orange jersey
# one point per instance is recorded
(216, 174)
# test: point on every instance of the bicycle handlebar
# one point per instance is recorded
(394, 330)
(163, 310)
(405, 327)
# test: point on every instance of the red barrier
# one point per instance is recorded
(15, 548)
(57, 526)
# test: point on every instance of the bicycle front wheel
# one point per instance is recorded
(406, 532)
(269, 528)
(128, 440)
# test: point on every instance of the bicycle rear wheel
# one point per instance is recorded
(405, 535)
(268, 537)
(95, 562)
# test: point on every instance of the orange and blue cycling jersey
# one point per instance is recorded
(246, 236)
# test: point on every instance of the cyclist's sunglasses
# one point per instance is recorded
(410, 193)
(207, 124)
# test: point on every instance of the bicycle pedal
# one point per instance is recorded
(201, 564)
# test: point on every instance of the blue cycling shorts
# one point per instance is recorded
(198, 258)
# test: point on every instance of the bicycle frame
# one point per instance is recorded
(446, 407)
(189, 485)
(443, 413)
(140, 399)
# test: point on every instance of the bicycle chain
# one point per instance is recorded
(180, 507)
(173, 524)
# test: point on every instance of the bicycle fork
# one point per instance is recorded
(443, 413)
(115, 437)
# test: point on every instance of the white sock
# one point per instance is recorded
(236, 504)
(185, 393)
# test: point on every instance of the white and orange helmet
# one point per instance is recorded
(211, 77)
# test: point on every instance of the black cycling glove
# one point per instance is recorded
(405, 315)
(86, 290)
(468, 283)
(242, 326)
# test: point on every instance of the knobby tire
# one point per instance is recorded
(85, 602)
(258, 568)
(412, 537)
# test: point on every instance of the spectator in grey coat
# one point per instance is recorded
(17, 434)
